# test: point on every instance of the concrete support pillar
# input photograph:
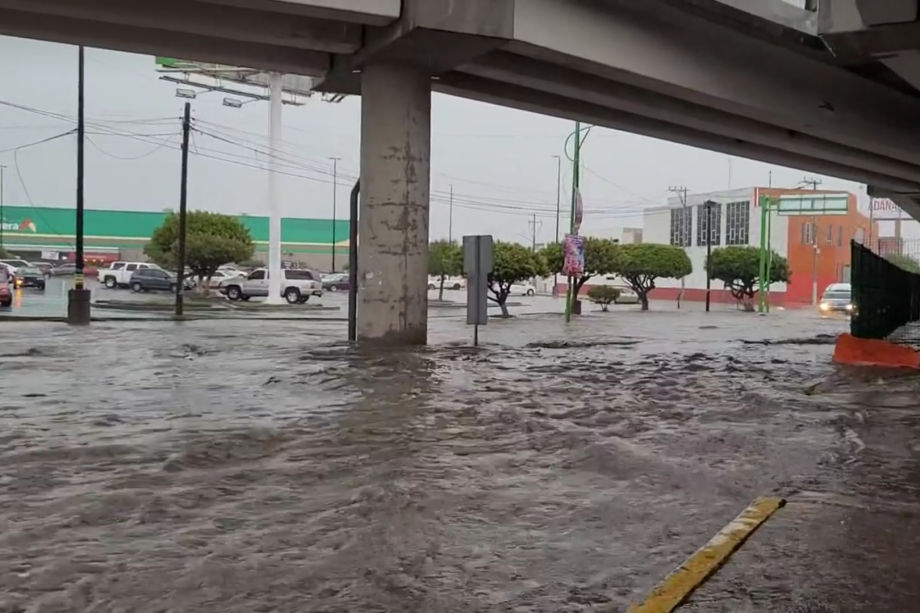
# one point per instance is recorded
(395, 185)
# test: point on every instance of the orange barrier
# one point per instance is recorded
(871, 352)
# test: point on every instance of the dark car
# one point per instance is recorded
(335, 283)
(30, 276)
(147, 279)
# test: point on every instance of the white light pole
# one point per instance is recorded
(274, 208)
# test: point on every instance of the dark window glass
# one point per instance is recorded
(681, 222)
(257, 275)
(737, 222)
(702, 224)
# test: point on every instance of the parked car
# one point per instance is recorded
(65, 269)
(337, 282)
(46, 268)
(29, 276)
(152, 279)
(6, 291)
(837, 298)
(119, 274)
(523, 289)
(455, 283)
(15, 263)
(627, 295)
(297, 286)
(224, 274)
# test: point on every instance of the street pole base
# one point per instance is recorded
(78, 307)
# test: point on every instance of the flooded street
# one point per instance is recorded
(242, 466)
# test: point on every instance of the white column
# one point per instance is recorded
(393, 225)
(274, 206)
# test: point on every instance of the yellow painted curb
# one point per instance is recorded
(701, 565)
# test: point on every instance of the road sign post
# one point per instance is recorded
(477, 264)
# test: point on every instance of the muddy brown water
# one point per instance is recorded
(264, 466)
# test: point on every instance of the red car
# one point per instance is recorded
(6, 290)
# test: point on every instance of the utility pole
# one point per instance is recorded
(709, 204)
(78, 299)
(2, 167)
(335, 185)
(183, 208)
(558, 209)
(814, 182)
(533, 230)
(681, 191)
(450, 219)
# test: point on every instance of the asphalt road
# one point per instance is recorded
(265, 466)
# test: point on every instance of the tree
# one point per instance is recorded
(738, 267)
(904, 262)
(445, 258)
(640, 264)
(600, 259)
(212, 239)
(603, 295)
(513, 263)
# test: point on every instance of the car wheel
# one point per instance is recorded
(292, 295)
(456, 286)
(432, 286)
(234, 293)
(111, 283)
(7, 303)
(41, 287)
(530, 292)
(333, 288)
(172, 288)
(137, 287)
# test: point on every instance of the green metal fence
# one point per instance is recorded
(885, 297)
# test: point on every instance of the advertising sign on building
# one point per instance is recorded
(884, 209)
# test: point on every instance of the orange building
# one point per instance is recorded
(818, 246)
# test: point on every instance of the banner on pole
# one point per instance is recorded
(579, 211)
(574, 255)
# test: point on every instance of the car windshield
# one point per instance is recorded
(30, 270)
(837, 295)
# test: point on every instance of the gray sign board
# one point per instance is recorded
(477, 264)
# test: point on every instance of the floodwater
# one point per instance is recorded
(244, 466)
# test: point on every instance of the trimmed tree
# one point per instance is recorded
(212, 239)
(603, 295)
(904, 262)
(445, 258)
(641, 264)
(600, 259)
(513, 263)
(738, 267)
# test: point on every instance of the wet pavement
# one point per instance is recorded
(265, 466)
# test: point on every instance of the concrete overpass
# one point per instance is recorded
(829, 85)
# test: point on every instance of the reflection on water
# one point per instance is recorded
(235, 466)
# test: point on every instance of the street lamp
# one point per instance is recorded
(575, 158)
(185, 92)
(335, 184)
(558, 208)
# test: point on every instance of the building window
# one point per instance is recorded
(830, 234)
(840, 236)
(681, 221)
(702, 224)
(737, 222)
(809, 232)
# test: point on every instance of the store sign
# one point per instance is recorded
(884, 209)
(26, 225)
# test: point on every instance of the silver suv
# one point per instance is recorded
(296, 287)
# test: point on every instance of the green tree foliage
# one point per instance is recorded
(600, 259)
(904, 262)
(445, 258)
(513, 263)
(640, 264)
(738, 267)
(603, 295)
(212, 239)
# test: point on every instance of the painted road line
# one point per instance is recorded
(672, 592)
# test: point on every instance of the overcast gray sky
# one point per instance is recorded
(499, 161)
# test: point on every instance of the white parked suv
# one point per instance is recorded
(118, 274)
(296, 287)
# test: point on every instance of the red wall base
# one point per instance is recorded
(720, 296)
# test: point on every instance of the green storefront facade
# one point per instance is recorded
(48, 233)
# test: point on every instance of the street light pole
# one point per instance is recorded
(78, 299)
(450, 218)
(335, 185)
(558, 209)
(709, 204)
(2, 167)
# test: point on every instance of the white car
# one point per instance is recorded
(297, 286)
(118, 274)
(627, 295)
(222, 275)
(13, 264)
(523, 289)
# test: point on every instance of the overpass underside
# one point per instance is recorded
(753, 78)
